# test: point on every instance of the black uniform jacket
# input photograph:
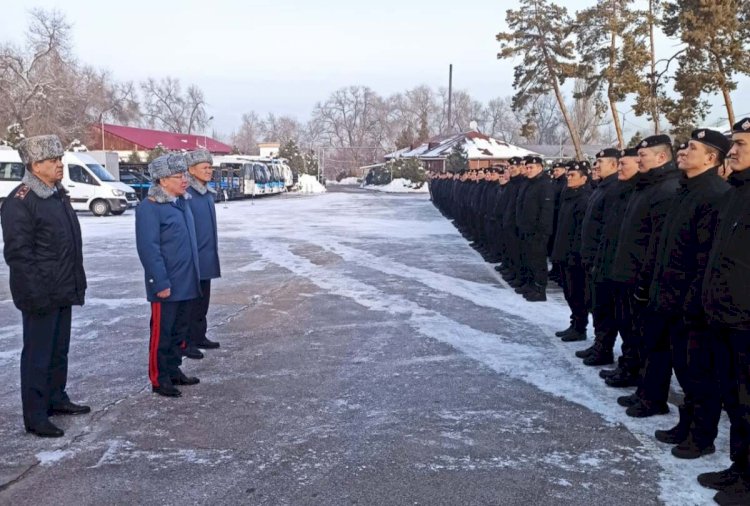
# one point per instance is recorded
(537, 207)
(615, 202)
(567, 245)
(643, 220)
(726, 287)
(511, 197)
(684, 244)
(42, 248)
(593, 221)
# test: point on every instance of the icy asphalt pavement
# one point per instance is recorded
(368, 356)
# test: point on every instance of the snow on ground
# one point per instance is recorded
(310, 184)
(399, 185)
(398, 261)
(345, 181)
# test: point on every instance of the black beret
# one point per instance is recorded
(683, 145)
(559, 165)
(742, 126)
(655, 140)
(533, 159)
(712, 138)
(629, 152)
(583, 166)
(608, 153)
(515, 160)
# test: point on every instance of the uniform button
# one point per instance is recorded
(150, 280)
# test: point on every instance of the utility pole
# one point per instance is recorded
(450, 95)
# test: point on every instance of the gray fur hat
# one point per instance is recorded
(40, 147)
(198, 156)
(167, 165)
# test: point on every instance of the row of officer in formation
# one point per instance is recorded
(656, 247)
(176, 238)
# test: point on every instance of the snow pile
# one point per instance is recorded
(347, 180)
(309, 184)
(399, 185)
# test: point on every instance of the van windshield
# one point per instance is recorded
(11, 171)
(100, 172)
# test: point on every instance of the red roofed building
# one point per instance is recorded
(125, 140)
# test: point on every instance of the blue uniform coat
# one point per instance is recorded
(167, 248)
(204, 212)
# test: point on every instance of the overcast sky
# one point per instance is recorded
(283, 56)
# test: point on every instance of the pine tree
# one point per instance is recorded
(158, 150)
(650, 96)
(540, 35)
(604, 31)
(716, 37)
(457, 160)
(294, 158)
(405, 138)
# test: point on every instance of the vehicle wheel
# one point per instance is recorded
(118, 213)
(100, 208)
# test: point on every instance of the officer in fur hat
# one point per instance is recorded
(43, 251)
(167, 248)
(202, 204)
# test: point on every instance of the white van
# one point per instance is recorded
(92, 188)
(11, 171)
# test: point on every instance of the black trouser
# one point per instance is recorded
(44, 362)
(574, 289)
(659, 330)
(534, 260)
(626, 316)
(198, 323)
(513, 250)
(695, 366)
(732, 353)
(170, 323)
(603, 302)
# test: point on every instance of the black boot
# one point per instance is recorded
(628, 400)
(576, 335)
(561, 333)
(608, 373)
(737, 494)
(719, 480)
(599, 357)
(45, 428)
(645, 409)
(679, 432)
(622, 380)
(536, 294)
(586, 352)
(691, 449)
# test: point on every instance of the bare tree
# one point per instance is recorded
(280, 128)
(30, 75)
(500, 121)
(246, 138)
(166, 107)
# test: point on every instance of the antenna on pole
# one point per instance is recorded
(450, 95)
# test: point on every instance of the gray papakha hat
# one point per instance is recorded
(198, 156)
(167, 165)
(40, 147)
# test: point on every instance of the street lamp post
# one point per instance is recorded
(205, 142)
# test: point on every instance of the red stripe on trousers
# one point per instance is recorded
(153, 361)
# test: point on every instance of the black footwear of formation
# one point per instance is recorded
(192, 352)
(207, 344)
(68, 408)
(645, 409)
(45, 429)
(573, 336)
(166, 391)
(182, 379)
